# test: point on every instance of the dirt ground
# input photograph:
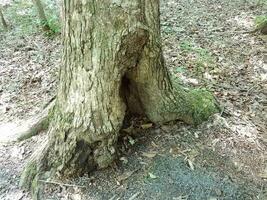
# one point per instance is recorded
(205, 45)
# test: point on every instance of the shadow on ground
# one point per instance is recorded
(209, 176)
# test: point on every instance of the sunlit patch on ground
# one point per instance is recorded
(10, 131)
(243, 21)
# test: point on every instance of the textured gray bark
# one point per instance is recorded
(112, 61)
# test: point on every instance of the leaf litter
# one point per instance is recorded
(222, 158)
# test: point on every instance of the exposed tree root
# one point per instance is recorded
(38, 124)
(31, 174)
(67, 156)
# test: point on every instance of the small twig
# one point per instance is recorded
(62, 184)
(249, 90)
(134, 196)
(250, 32)
(114, 197)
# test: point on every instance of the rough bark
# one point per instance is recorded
(4, 23)
(42, 15)
(112, 62)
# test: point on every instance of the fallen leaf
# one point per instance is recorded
(118, 183)
(181, 198)
(146, 126)
(154, 144)
(263, 176)
(124, 160)
(128, 130)
(212, 198)
(152, 176)
(149, 155)
(190, 163)
(76, 197)
(125, 176)
(134, 196)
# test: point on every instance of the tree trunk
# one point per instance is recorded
(5, 26)
(112, 62)
(41, 14)
(264, 29)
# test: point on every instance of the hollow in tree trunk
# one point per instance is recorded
(112, 62)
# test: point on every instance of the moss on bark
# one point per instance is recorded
(29, 173)
(193, 106)
(30, 179)
(202, 106)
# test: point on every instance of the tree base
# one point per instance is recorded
(35, 171)
(109, 68)
(75, 157)
(202, 106)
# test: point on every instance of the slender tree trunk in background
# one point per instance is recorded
(112, 62)
(42, 15)
(4, 23)
(264, 29)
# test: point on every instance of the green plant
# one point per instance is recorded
(202, 58)
(186, 46)
(25, 21)
(54, 25)
(260, 21)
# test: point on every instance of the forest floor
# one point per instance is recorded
(224, 158)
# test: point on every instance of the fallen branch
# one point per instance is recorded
(62, 184)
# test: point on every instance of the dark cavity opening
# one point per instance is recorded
(130, 95)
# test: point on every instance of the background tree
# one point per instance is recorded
(4, 23)
(262, 26)
(41, 14)
(264, 29)
(112, 63)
